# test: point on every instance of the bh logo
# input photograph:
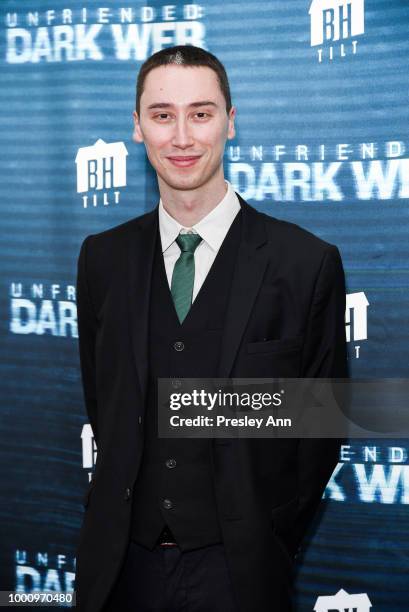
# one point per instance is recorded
(356, 316)
(334, 23)
(356, 320)
(101, 167)
(343, 602)
(89, 448)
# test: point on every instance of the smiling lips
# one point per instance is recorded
(183, 161)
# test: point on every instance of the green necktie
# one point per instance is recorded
(184, 274)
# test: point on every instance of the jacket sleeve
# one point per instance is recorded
(87, 329)
(324, 356)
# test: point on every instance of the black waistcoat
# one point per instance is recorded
(174, 486)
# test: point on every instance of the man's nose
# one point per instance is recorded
(182, 136)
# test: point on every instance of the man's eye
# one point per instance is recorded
(203, 115)
(162, 115)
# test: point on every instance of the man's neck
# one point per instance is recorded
(188, 207)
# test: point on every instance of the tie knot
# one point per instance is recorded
(188, 242)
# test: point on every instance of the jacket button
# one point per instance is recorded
(127, 495)
(167, 504)
(178, 346)
(170, 463)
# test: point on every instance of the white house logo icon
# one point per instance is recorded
(356, 315)
(332, 20)
(101, 166)
(89, 449)
(343, 602)
(336, 21)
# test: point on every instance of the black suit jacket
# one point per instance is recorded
(288, 288)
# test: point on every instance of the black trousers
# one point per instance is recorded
(169, 580)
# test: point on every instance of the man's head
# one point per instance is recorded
(184, 115)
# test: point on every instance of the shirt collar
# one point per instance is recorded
(212, 228)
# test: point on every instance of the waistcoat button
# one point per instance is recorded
(167, 504)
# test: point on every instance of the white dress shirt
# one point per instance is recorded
(212, 228)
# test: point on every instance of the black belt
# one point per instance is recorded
(167, 538)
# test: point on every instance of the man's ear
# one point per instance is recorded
(231, 132)
(137, 135)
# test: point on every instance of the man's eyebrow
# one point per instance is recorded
(203, 103)
(193, 104)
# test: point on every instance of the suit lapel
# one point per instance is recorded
(249, 270)
(248, 274)
(141, 255)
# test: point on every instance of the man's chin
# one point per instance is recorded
(184, 183)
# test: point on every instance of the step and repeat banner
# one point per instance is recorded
(321, 90)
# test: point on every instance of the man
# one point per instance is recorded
(202, 286)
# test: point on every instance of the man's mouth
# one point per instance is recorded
(183, 161)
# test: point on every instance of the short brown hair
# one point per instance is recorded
(184, 55)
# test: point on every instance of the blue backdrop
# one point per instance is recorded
(321, 90)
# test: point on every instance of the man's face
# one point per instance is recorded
(184, 124)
